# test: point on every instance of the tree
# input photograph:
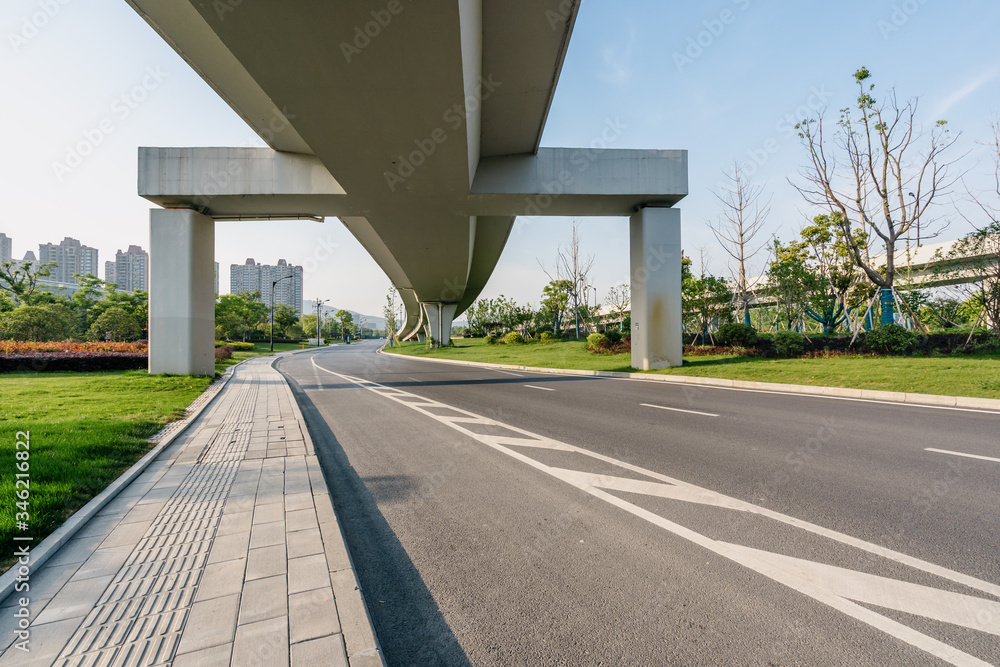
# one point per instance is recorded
(707, 300)
(284, 317)
(978, 254)
(240, 314)
(38, 323)
(555, 299)
(389, 313)
(573, 268)
(620, 300)
(786, 278)
(115, 324)
(743, 215)
(346, 321)
(884, 183)
(20, 279)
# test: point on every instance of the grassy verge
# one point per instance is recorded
(975, 375)
(85, 430)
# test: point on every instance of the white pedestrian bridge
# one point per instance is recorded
(418, 125)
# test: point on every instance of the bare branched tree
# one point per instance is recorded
(744, 212)
(571, 266)
(620, 300)
(886, 184)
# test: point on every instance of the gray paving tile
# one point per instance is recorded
(304, 543)
(301, 520)
(46, 642)
(268, 513)
(327, 651)
(229, 547)
(74, 600)
(126, 534)
(263, 644)
(298, 501)
(307, 573)
(210, 623)
(221, 579)
(216, 656)
(267, 534)
(266, 562)
(263, 599)
(103, 562)
(312, 614)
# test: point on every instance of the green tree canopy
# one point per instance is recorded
(115, 324)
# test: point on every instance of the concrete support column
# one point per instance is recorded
(438, 318)
(181, 292)
(657, 324)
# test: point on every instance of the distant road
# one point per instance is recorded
(500, 517)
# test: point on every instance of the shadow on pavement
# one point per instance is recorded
(407, 620)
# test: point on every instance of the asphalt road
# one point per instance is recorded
(533, 519)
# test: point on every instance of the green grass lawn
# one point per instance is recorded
(975, 375)
(85, 430)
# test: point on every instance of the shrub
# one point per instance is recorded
(890, 339)
(788, 343)
(115, 324)
(513, 337)
(545, 337)
(38, 323)
(74, 361)
(735, 334)
(241, 347)
(224, 352)
(614, 337)
(596, 340)
(490, 339)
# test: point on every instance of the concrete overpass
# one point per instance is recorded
(418, 126)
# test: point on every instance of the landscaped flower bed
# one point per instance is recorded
(72, 356)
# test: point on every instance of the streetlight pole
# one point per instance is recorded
(319, 315)
(273, 283)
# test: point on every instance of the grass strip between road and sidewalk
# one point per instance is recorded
(973, 375)
(85, 430)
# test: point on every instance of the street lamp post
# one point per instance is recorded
(319, 317)
(273, 283)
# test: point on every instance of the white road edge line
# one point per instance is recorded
(971, 456)
(531, 386)
(517, 375)
(693, 412)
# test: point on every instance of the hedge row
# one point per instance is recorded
(74, 361)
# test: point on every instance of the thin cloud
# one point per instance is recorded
(618, 68)
(965, 91)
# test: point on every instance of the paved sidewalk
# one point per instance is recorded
(225, 550)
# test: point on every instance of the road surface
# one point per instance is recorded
(500, 517)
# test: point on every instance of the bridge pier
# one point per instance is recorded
(438, 319)
(181, 292)
(657, 324)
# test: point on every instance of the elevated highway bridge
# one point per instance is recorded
(419, 126)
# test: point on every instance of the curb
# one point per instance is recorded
(905, 398)
(51, 544)
(363, 647)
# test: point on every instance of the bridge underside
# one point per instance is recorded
(419, 128)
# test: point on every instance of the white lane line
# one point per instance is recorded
(971, 456)
(692, 412)
(531, 386)
(517, 375)
(413, 378)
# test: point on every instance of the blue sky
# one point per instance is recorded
(724, 80)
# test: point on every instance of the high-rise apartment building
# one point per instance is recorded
(70, 258)
(6, 248)
(253, 277)
(132, 269)
(109, 272)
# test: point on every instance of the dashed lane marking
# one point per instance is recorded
(692, 412)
